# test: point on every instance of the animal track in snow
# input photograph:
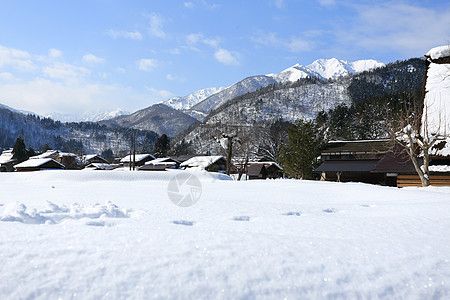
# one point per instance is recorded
(293, 213)
(330, 210)
(183, 222)
(241, 218)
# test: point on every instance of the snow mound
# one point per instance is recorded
(54, 213)
(439, 52)
(122, 175)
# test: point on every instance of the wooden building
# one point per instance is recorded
(371, 161)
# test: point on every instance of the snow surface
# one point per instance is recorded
(97, 235)
(439, 52)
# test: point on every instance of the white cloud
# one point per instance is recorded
(17, 59)
(159, 94)
(174, 78)
(54, 53)
(132, 35)
(147, 64)
(6, 76)
(293, 44)
(279, 3)
(62, 70)
(226, 57)
(195, 38)
(188, 4)
(297, 45)
(92, 59)
(407, 29)
(156, 26)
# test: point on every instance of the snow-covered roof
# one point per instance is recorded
(138, 157)
(436, 113)
(100, 166)
(46, 154)
(36, 162)
(439, 52)
(201, 162)
(163, 160)
(439, 168)
(6, 157)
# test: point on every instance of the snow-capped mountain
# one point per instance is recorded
(88, 116)
(321, 68)
(186, 102)
(24, 112)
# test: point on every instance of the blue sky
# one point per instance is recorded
(99, 55)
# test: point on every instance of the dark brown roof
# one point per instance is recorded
(357, 166)
(357, 146)
(256, 169)
(396, 161)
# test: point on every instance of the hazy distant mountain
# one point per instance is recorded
(321, 68)
(3, 106)
(159, 118)
(87, 116)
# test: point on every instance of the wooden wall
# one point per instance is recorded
(414, 180)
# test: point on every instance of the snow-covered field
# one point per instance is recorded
(110, 235)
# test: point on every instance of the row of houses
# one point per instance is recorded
(53, 159)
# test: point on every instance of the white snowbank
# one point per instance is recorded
(54, 213)
(439, 52)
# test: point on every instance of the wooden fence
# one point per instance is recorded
(414, 180)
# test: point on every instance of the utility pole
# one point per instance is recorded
(134, 149)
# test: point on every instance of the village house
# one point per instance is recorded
(208, 163)
(6, 161)
(37, 164)
(94, 158)
(139, 159)
(69, 160)
(263, 170)
(369, 161)
(160, 164)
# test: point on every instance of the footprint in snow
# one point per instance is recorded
(293, 213)
(99, 224)
(329, 210)
(242, 218)
(183, 222)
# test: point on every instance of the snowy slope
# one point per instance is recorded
(88, 116)
(24, 112)
(326, 69)
(79, 234)
(186, 102)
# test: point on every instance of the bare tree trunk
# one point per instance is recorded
(242, 170)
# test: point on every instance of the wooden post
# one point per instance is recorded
(134, 150)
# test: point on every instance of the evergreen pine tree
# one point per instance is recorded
(20, 151)
(298, 156)
(162, 146)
